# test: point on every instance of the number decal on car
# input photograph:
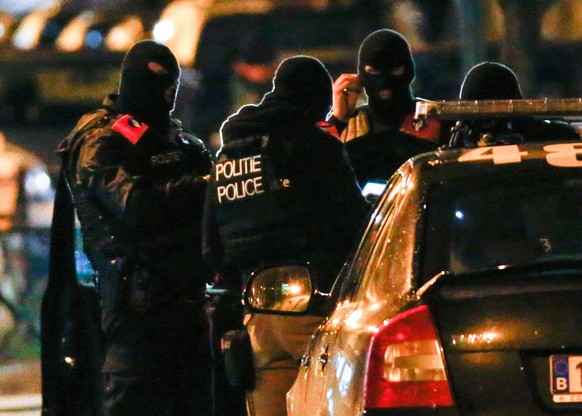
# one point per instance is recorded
(564, 154)
(498, 154)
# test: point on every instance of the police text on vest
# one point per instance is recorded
(244, 177)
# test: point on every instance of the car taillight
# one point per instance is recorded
(405, 364)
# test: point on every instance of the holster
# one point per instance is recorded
(110, 282)
(238, 359)
(121, 282)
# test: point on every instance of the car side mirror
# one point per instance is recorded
(284, 290)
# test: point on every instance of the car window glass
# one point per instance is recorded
(500, 221)
(389, 267)
(379, 221)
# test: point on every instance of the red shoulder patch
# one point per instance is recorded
(130, 128)
(329, 127)
(422, 128)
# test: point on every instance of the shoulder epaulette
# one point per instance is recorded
(130, 128)
(329, 127)
(191, 138)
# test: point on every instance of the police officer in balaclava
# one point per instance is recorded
(490, 81)
(294, 199)
(386, 71)
(495, 81)
(137, 181)
(381, 134)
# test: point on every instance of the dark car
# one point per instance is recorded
(464, 296)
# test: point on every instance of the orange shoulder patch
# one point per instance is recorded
(422, 128)
(130, 128)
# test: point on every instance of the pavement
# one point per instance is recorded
(20, 388)
(21, 405)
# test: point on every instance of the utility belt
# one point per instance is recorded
(194, 297)
(126, 281)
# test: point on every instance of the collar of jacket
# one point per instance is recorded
(360, 124)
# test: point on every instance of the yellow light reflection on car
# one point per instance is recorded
(353, 320)
(473, 339)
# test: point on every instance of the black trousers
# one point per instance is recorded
(225, 313)
(159, 362)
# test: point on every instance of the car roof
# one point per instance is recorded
(467, 162)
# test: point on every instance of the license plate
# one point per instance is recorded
(566, 378)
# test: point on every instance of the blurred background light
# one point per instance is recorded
(28, 33)
(93, 39)
(72, 37)
(122, 36)
(163, 31)
(23, 6)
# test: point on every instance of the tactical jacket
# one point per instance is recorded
(139, 200)
(376, 152)
(138, 194)
(281, 190)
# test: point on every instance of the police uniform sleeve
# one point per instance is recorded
(202, 160)
(186, 194)
(109, 167)
(212, 249)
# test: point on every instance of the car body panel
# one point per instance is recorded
(498, 326)
(512, 325)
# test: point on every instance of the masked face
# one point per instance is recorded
(304, 82)
(149, 83)
(490, 81)
(386, 70)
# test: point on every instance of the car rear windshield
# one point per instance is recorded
(513, 219)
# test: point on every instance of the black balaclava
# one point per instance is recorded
(388, 53)
(149, 83)
(304, 82)
(490, 81)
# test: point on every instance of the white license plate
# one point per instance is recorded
(566, 378)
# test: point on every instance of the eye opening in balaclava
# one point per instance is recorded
(149, 83)
(490, 81)
(386, 71)
(304, 82)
